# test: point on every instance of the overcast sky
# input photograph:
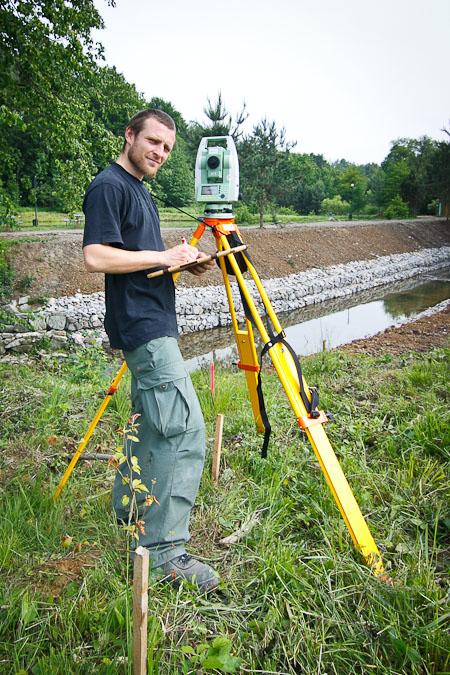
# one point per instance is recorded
(344, 77)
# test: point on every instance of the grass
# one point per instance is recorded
(170, 217)
(296, 597)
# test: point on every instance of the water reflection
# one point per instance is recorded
(332, 323)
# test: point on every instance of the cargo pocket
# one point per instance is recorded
(189, 466)
(166, 405)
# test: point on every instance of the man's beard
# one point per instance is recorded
(140, 163)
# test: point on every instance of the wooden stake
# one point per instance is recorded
(217, 449)
(140, 610)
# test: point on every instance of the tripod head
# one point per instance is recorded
(217, 175)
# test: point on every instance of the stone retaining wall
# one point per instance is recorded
(79, 319)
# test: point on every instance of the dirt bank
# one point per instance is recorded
(52, 264)
(418, 336)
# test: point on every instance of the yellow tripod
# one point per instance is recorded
(300, 396)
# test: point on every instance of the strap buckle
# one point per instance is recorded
(305, 421)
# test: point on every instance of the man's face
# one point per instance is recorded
(149, 149)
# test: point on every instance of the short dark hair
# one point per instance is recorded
(137, 121)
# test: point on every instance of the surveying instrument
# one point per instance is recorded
(217, 187)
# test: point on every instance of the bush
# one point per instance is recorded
(286, 211)
(8, 215)
(245, 215)
(370, 211)
(6, 272)
(397, 208)
(335, 206)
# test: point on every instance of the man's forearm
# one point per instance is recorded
(111, 260)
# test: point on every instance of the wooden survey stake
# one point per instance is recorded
(140, 610)
(217, 450)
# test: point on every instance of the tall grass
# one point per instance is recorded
(295, 596)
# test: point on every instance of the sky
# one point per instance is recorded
(343, 77)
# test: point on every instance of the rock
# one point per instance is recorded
(56, 321)
(23, 301)
(38, 323)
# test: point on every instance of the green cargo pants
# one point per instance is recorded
(170, 451)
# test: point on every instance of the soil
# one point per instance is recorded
(51, 263)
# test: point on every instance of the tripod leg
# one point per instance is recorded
(110, 393)
(287, 373)
(248, 358)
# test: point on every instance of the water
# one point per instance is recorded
(331, 323)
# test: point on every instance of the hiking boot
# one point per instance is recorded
(189, 568)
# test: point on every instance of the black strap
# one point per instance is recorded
(310, 404)
(259, 389)
(264, 417)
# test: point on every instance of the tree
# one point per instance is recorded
(263, 165)
(113, 100)
(47, 126)
(352, 187)
(396, 208)
(308, 180)
(174, 184)
(440, 181)
(182, 128)
(220, 123)
(408, 170)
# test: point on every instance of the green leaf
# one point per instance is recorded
(187, 649)
(28, 610)
(120, 618)
(125, 500)
(219, 656)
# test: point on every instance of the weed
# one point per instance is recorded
(25, 282)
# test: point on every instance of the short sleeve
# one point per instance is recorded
(102, 209)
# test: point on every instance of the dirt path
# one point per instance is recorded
(51, 264)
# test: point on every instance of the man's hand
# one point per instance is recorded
(201, 268)
(179, 255)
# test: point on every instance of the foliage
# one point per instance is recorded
(7, 273)
(262, 168)
(214, 656)
(308, 179)
(397, 208)
(60, 110)
(440, 177)
(408, 171)
(47, 56)
(244, 214)
(8, 214)
(63, 113)
(335, 206)
(174, 184)
(352, 186)
(295, 595)
(219, 123)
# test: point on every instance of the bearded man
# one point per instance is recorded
(122, 239)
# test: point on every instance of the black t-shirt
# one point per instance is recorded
(120, 211)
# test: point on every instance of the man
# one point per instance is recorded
(122, 238)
